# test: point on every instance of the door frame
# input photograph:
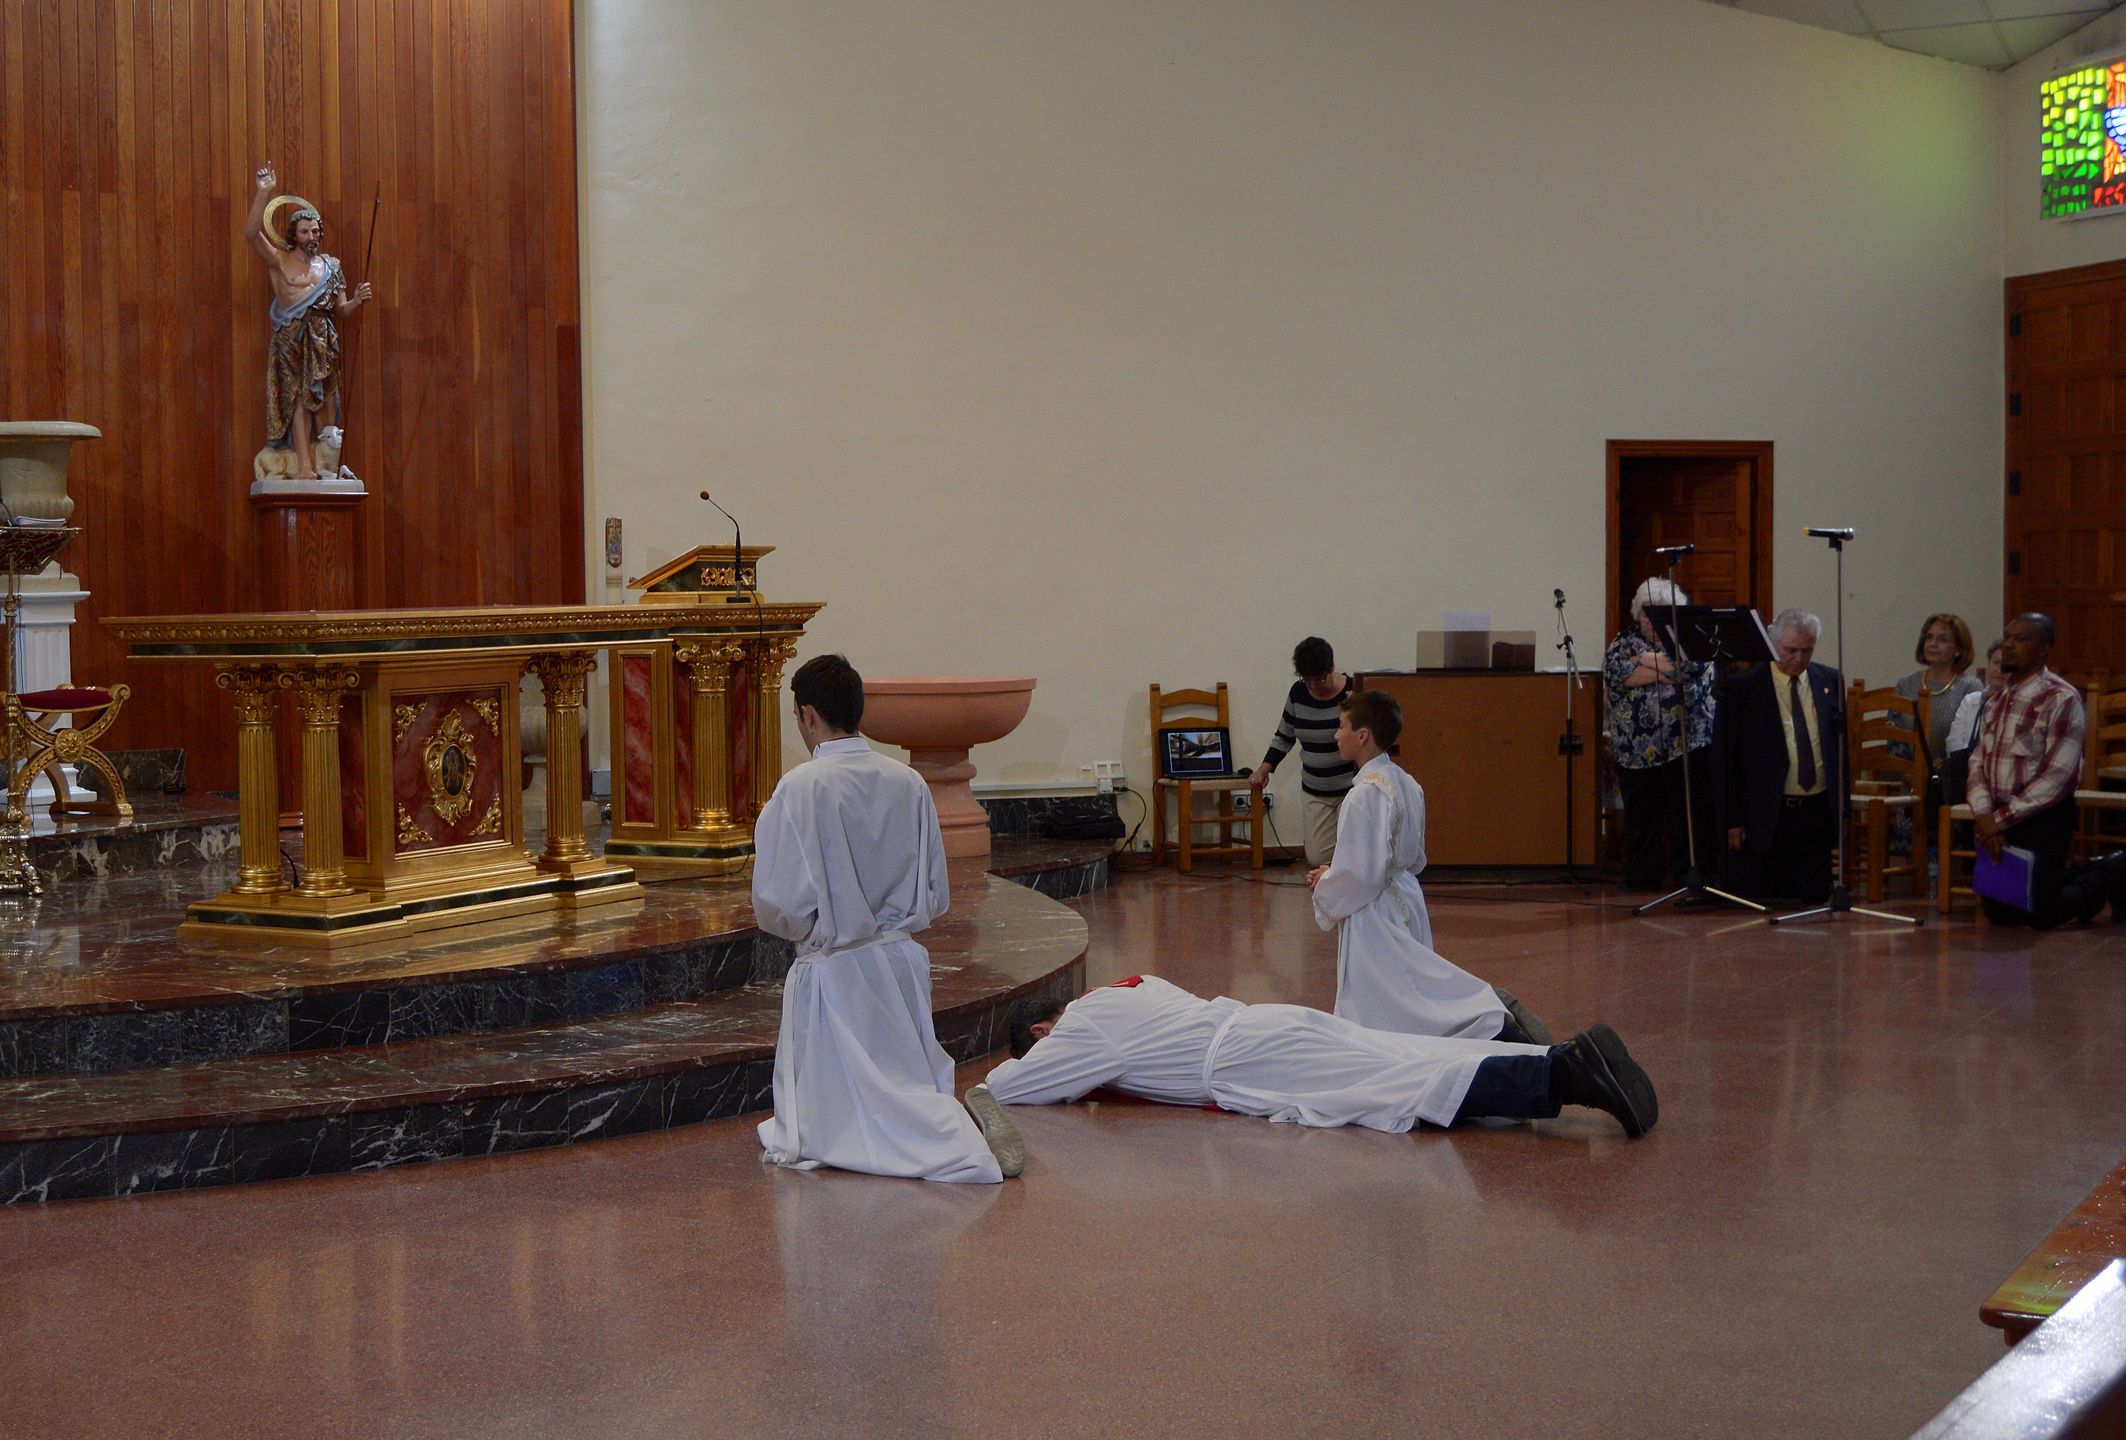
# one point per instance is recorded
(1758, 451)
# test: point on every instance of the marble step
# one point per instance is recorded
(98, 980)
(65, 1136)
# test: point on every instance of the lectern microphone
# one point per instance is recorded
(1559, 597)
(1675, 549)
(1845, 534)
(738, 594)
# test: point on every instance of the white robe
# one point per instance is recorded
(1388, 976)
(848, 862)
(1281, 1062)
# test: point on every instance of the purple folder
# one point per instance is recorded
(2006, 879)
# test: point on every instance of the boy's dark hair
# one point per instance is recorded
(1376, 711)
(830, 685)
(1024, 1016)
(1312, 656)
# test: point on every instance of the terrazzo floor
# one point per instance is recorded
(1862, 1132)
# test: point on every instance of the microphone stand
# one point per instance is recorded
(1841, 901)
(739, 594)
(1694, 886)
(1569, 743)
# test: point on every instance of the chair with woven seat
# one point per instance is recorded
(2100, 800)
(1186, 710)
(1886, 758)
(41, 748)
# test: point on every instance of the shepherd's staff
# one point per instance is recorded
(347, 366)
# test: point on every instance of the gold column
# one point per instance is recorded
(708, 664)
(317, 700)
(769, 657)
(562, 677)
(255, 689)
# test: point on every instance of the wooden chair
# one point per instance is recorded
(1886, 758)
(2100, 801)
(1953, 865)
(1185, 710)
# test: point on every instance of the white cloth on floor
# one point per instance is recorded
(1148, 1038)
(1388, 976)
(848, 862)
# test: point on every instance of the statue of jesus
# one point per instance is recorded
(303, 360)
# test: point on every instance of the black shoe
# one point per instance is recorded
(1523, 1027)
(2113, 869)
(1600, 1073)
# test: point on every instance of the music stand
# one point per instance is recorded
(1698, 634)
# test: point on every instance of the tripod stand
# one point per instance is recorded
(1693, 886)
(1569, 743)
(1841, 901)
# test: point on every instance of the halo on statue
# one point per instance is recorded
(271, 224)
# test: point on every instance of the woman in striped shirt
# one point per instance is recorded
(1311, 711)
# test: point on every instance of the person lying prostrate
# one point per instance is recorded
(1152, 1039)
(1388, 976)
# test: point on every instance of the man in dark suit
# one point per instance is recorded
(1783, 732)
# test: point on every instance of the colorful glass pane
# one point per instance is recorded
(2082, 152)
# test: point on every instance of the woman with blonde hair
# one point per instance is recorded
(1944, 653)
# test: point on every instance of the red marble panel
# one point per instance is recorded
(638, 750)
(742, 803)
(472, 768)
(354, 782)
(683, 744)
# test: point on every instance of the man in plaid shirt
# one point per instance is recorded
(2023, 773)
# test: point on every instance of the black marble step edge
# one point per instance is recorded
(72, 1168)
(424, 1007)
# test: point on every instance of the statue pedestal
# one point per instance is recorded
(309, 558)
(44, 660)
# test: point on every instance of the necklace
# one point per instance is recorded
(1927, 689)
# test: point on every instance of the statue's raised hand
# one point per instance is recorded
(265, 177)
(362, 293)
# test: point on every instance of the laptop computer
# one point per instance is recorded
(1197, 754)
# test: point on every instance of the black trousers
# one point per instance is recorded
(1655, 847)
(1799, 865)
(2057, 894)
(1511, 1087)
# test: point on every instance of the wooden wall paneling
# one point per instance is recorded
(2065, 507)
(127, 300)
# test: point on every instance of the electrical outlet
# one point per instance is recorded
(1243, 802)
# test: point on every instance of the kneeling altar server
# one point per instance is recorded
(1388, 976)
(1151, 1039)
(849, 864)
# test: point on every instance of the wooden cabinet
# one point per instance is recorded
(1484, 744)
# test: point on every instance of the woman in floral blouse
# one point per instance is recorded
(1640, 680)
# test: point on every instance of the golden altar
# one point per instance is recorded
(411, 810)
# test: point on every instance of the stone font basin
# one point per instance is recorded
(938, 719)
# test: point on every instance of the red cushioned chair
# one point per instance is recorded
(90, 713)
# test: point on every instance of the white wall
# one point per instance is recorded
(2031, 243)
(1114, 341)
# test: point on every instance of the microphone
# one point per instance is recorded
(1559, 598)
(738, 590)
(1675, 550)
(1845, 534)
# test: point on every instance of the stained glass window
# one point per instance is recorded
(2083, 160)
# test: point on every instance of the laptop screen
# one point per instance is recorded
(1195, 754)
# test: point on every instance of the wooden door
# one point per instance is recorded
(1715, 495)
(2065, 512)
